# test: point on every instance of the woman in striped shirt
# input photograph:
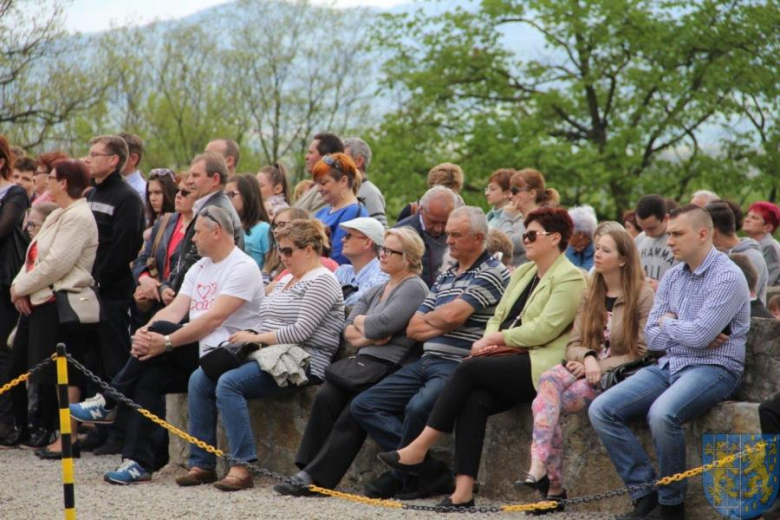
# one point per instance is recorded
(306, 308)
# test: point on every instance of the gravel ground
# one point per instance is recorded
(31, 489)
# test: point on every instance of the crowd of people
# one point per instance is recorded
(232, 287)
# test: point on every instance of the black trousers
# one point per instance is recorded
(769, 415)
(479, 388)
(17, 396)
(8, 318)
(146, 383)
(112, 350)
(332, 438)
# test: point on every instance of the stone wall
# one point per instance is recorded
(279, 423)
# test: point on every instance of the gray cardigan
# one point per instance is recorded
(389, 317)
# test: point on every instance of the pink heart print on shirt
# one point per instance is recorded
(206, 291)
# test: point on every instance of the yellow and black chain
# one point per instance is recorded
(24, 377)
(393, 504)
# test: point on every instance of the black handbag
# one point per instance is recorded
(622, 372)
(357, 373)
(227, 356)
(12, 252)
(78, 308)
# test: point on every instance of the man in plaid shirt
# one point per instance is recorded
(699, 325)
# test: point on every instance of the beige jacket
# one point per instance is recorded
(67, 244)
(618, 353)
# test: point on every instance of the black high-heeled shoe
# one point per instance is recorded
(447, 502)
(393, 460)
(542, 485)
(47, 454)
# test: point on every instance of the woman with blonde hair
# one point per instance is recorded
(608, 331)
(377, 328)
(528, 193)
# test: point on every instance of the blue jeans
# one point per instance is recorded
(667, 401)
(228, 395)
(395, 411)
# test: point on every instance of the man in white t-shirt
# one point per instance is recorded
(220, 295)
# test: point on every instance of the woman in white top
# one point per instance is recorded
(306, 308)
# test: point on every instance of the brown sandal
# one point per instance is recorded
(234, 483)
(196, 477)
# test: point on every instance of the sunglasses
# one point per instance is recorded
(286, 252)
(333, 163)
(530, 236)
(515, 190)
(184, 193)
(161, 172)
(386, 251)
(205, 213)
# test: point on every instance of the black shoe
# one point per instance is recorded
(297, 486)
(6, 429)
(40, 438)
(392, 459)
(384, 486)
(46, 454)
(642, 507)
(432, 482)
(110, 447)
(447, 502)
(16, 437)
(92, 440)
(662, 512)
(541, 485)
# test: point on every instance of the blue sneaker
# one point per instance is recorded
(130, 472)
(93, 410)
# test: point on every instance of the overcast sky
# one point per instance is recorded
(98, 15)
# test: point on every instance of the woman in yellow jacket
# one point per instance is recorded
(532, 322)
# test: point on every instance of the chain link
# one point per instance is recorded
(393, 504)
(24, 377)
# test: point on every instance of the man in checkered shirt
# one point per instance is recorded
(699, 324)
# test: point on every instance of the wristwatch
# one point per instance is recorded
(168, 344)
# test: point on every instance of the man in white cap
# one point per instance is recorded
(362, 241)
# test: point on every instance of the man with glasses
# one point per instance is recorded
(119, 213)
(450, 320)
(323, 144)
(131, 173)
(365, 236)
(435, 208)
(220, 296)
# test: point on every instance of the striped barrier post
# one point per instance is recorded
(65, 434)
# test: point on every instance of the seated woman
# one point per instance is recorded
(244, 193)
(338, 181)
(160, 196)
(534, 318)
(609, 330)
(306, 308)
(377, 328)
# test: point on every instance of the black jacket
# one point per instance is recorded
(139, 266)
(119, 213)
(188, 253)
(13, 240)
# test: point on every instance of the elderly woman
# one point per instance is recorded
(376, 327)
(498, 193)
(60, 258)
(531, 323)
(244, 193)
(306, 308)
(762, 220)
(608, 331)
(338, 181)
(528, 193)
(581, 246)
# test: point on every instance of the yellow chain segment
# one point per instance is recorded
(392, 504)
(19, 380)
(549, 504)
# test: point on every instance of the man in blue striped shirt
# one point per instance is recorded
(449, 321)
(699, 325)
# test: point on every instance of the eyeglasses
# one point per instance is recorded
(286, 252)
(231, 193)
(92, 155)
(279, 225)
(32, 225)
(516, 189)
(333, 163)
(531, 235)
(386, 251)
(184, 193)
(161, 172)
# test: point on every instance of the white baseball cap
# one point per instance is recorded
(370, 227)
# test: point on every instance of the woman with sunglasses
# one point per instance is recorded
(528, 193)
(273, 265)
(306, 308)
(244, 192)
(274, 187)
(376, 327)
(338, 183)
(152, 268)
(529, 330)
(609, 330)
(160, 196)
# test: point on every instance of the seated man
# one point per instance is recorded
(699, 322)
(435, 207)
(449, 321)
(581, 248)
(757, 309)
(220, 295)
(365, 236)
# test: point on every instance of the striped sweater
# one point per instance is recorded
(310, 314)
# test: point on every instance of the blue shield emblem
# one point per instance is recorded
(746, 487)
